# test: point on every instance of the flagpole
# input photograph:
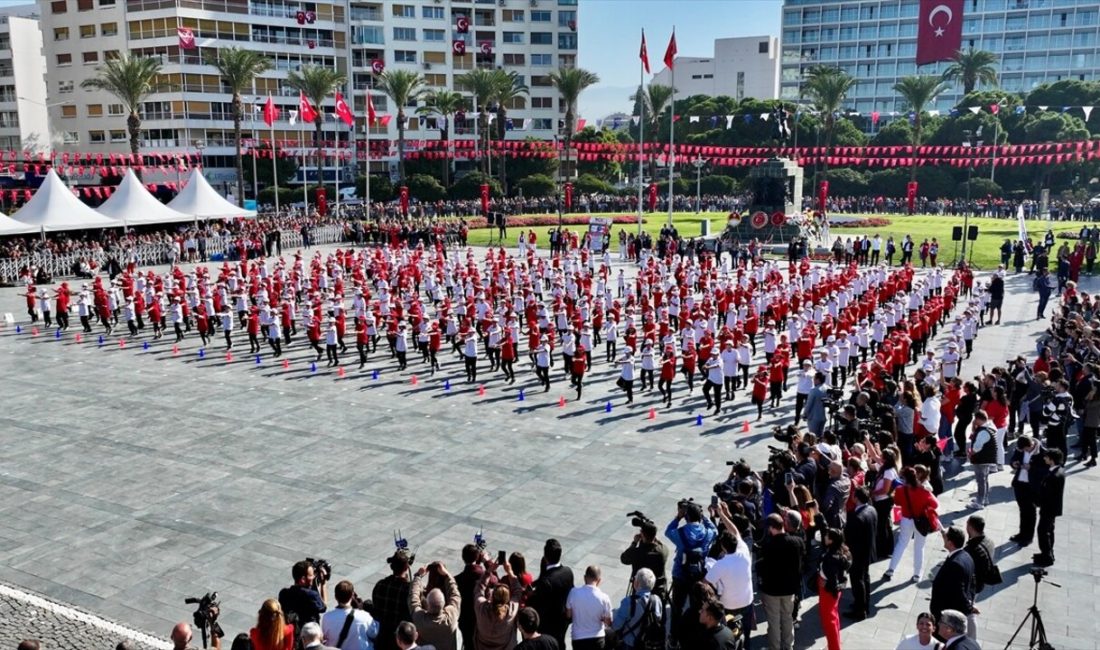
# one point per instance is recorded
(641, 136)
(255, 180)
(337, 166)
(274, 169)
(305, 173)
(367, 157)
(671, 134)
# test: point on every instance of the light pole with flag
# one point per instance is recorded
(670, 59)
(270, 115)
(308, 116)
(347, 117)
(642, 71)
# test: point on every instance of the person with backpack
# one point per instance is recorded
(639, 621)
(692, 536)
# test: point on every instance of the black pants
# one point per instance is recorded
(1088, 442)
(744, 375)
(276, 345)
(690, 378)
(506, 367)
(63, 320)
(86, 324)
(730, 386)
(471, 368)
(884, 537)
(799, 403)
(710, 388)
(330, 353)
(253, 342)
(611, 351)
(133, 327)
(647, 379)
(1046, 535)
(665, 386)
(543, 373)
(228, 339)
(960, 435)
(589, 644)
(361, 348)
(628, 386)
(402, 359)
(1025, 502)
(861, 587)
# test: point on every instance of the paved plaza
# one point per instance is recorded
(131, 478)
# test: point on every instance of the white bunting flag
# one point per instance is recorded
(975, 109)
(1088, 111)
(293, 117)
(729, 121)
(693, 119)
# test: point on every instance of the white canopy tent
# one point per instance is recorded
(53, 208)
(133, 205)
(198, 200)
(9, 226)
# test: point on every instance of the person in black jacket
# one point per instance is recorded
(830, 581)
(1050, 506)
(780, 569)
(550, 590)
(1029, 468)
(859, 531)
(647, 552)
(982, 550)
(953, 586)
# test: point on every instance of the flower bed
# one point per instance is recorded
(869, 222)
(537, 220)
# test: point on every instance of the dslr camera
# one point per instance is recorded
(206, 616)
(322, 571)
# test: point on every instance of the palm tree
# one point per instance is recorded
(482, 84)
(402, 87)
(654, 98)
(317, 84)
(972, 67)
(571, 82)
(509, 88)
(827, 88)
(131, 79)
(443, 103)
(918, 92)
(239, 69)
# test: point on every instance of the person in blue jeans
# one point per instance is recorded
(692, 536)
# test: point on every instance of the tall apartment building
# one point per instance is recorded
(1038, 41)
(531, 37)
(23, 123)
(745, 66)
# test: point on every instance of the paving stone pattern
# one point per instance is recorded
(131, 479)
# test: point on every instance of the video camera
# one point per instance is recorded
(401, 547)
(639, 520)
(322, 571)
(206, 616)
(833, 398)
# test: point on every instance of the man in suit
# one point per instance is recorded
(953, 586)
(550, 591)
(1050, 506)
(859, 532)
(952, 628)
(814, 411)
(982, 550)
(1028, 469)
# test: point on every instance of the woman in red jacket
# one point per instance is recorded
(688, 367)
(272, 632)
(508, 356)
(760, 391)
(579, 365)
(997, 409)
(668, 373)
(916, 501)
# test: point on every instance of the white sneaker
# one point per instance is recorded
(974, 505)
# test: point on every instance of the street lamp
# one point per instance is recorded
(969, 175)
(699, 163)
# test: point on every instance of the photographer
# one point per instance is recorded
(847, 426)
(647, 552)
(435, 610)
(348, 627)
(305, 600)
(391, 599)
(692, 535)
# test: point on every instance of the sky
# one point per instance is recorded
(610, 35)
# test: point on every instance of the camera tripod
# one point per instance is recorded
(1038, 638)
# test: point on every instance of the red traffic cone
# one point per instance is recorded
(34, 331)
(286, 364)
(745, 426)
(561, 402)
(228, 357)
(79, 338)
(175, 350)
(652, 414)
(415, 381)
(121, 343)
(481, 391)
(340, 373)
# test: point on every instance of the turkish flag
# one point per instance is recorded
(342, 110)
(371, 115)
(270, 112)
(939, 30)
(305, 109)
(485, 198)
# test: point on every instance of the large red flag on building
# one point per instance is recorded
(670, 53)
(644, 55)
(305, 110)
(939, 30)
(342, 110)
(371, 115)
(270, 112)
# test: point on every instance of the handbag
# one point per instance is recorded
(921, 522)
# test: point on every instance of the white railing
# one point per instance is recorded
(67, 265)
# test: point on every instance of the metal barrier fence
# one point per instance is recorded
(217, 248)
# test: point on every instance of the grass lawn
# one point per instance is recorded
(986, 254)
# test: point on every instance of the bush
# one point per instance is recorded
(469, 187)
(894, 182)
(681, 186)
(287, 195)
(979, 188)
(591, 184)
(425, 188)
(718, 185)
(842, 182)
(538, 220)
(381, 189)
(537, 186)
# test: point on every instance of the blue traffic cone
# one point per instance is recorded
(202, 353)
(257, 359)
(145, 345)
(57, 334)
(313, 366)
(18, 329)
(447, 384)
(698, 420)
(607, 407)
(100, 340)
(521, 397)
(374, 374)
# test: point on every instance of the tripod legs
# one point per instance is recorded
(1038, 639)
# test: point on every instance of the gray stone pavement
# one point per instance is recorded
(133, 478)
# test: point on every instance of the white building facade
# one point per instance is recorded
(23, 121)
(745, 66)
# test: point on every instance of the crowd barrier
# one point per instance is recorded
(217, 249)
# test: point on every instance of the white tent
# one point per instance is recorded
(133, 205)
(53, 207)
(9, 226)
(199, 201)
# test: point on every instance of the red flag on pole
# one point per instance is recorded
(939, 30)
(644, 54)
(305, 111)
(187, 38)
(270, 112)
(371, 115)
(342, 110)
(670, 53)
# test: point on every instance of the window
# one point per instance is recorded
(542, 123)
(61, 34)
(64, 59)
(764, 47)
(114, 109)
(87, 31)
(513, 37)
(64, 87)
(740, 85)
(542, 38)
(567, 41)
(95, 110)
(541, 81)
(404, 34)
(118, 136)
(97, 137)
(58, 7)
(514, 59)
(513, 15)
(542, 59)
(106, 3)
(542, 102)
(109, 55)
(91, 57)
(85, 5)
(71, 137)
(68, 111)
(404, 56)
(432, 13)
(567, 18)
(435, 57)
(108, 29)
(540, 16)
(404, 11)
(435, 35)
(439, 80)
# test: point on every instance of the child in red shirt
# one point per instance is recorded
(760, 390)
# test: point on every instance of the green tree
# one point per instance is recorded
(592, 184)
(468, 187)
(716, 184)
(509, 89)
(238, 68)
(131, 79)
(425, 188)
(979, 187)
(828, 88)
(918, 92)
(652, 100)
(537, 186)
(285, 166)
(443, 103)
(317, 84)
(402, 87)
(972, 67)
(482, 84)
(845, 182)
(381, 188)
(524, 167)
(570, 83)
(605, 168)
